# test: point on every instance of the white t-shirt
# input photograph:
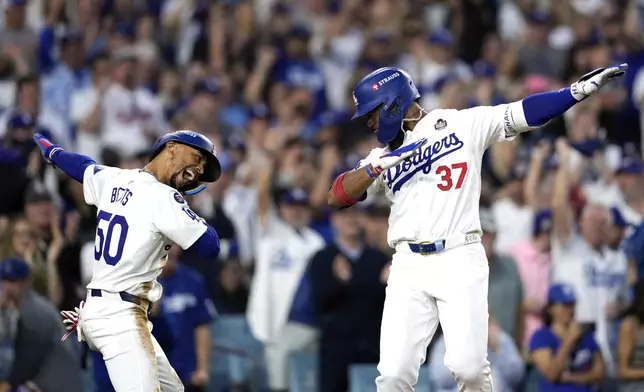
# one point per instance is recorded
(282, 256)
(127, 116)
(598, 278)
(513, 224)
(435, 194)
(138, 220)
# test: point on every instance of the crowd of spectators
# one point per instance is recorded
(295, 298)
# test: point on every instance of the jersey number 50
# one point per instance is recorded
(102, 248)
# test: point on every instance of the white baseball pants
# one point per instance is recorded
(122, 333)
(451, 288)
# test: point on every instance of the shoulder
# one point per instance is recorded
(314, 237)
(542, 337)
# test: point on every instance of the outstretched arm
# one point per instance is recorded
(72, 164)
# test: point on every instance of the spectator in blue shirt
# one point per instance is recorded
(188, 311)
(564, 352)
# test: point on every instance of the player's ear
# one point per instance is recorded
(170, 146)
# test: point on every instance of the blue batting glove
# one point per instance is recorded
(47, 148)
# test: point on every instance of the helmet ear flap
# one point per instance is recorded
(390, 120)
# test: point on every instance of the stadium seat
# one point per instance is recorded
(237, 357)
(303, 372)
(362, 379)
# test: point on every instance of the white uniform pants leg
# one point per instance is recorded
(409, 321)
(121, 332)
(450, 287)
(463, 314)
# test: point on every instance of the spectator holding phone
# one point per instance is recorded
(630, 344)
(564, 352)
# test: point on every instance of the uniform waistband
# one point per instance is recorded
(426, 248)
(123, 296)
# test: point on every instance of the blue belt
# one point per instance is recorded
(427, 248)
(127, 297)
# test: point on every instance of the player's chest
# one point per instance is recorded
(441, 163)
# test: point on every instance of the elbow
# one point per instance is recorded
(208, 244)
(332, 201)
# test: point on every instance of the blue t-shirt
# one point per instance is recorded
(580, 360)
(185, 305)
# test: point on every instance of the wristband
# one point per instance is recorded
(370, 172)
(339, 192)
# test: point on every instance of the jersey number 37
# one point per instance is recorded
(106, 240)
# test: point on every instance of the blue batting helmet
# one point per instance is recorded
(393, 90)
(212, 169)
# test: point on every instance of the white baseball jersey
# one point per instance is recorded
(599, 279)
(128, 116)
(435, 194)
(138, 220)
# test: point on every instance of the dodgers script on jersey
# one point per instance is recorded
(138, 220)
(435, 194)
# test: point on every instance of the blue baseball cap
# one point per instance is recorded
(14, 270)
(542, 222)
(208, 86)
(295, 197)
(22, 120)
(630, 166)
(483, 69)
(561, 293)
(618, 218)
(16, 2)
(441, 37)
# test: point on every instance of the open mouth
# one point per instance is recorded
(189, 175)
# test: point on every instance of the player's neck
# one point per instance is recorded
(153, 169)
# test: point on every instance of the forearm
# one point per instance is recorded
(628, 373)
(202, 346)
(558, 363)
(539, 109)
(590, 377)
(54, 287)
(349, 187)
(72, 164)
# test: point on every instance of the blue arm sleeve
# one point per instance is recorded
(72, 164)
(541, 108)
(47, 41)
(208, 244)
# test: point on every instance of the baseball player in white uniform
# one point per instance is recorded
(141, 214)
(430, 171)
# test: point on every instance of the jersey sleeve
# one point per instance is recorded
(540, 339)
(94, 180)
(489, 124)
(175, 220)
(378, 184)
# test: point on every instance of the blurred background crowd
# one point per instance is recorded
(295, 298)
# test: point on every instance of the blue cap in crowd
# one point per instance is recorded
(618, 218)
(295, 197)
(16, 2)
(631, 166)
(208, 86)
(300, 31)
(14, 270)
(125, 29)
(561, 293)
(539, 17)
(542, 222)
(22, 120)
(484, 69)
(71, 36)
(441, 37)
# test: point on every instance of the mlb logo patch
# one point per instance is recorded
(440, 124)
(375, 86)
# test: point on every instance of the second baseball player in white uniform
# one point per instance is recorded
(430, 171)
(141, 214)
